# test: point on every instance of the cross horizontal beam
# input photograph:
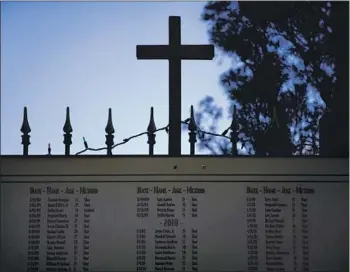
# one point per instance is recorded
(184, 52)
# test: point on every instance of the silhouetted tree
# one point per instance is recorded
(291, 66)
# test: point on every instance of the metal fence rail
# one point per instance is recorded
(194, 133)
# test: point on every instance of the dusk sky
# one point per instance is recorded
(83, 55)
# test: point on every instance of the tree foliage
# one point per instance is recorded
(291, 65)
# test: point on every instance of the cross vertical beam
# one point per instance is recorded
(174, 53)
(174, 87)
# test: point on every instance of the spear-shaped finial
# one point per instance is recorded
(49, 149)
(192, 127)
(151, 133)
(25, 129)
(67, 136)
(192, 124)
(109, 127)
(109, 130)
(233, 135)
(151, 125)
(67, 128)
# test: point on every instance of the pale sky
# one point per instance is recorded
(83, 55)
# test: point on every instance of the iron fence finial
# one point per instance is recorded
(25, 129)
(67, 128)
(109, 127)
(151, 129)
(109, 130)
(192, 127)
(67, 136)
(151, 126)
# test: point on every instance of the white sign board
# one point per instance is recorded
(174, 214)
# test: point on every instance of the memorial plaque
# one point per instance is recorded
(174, 214)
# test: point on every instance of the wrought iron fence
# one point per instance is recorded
(194, 133)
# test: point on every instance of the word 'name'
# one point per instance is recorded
(174, 190)
(284, 190)
(66, 190)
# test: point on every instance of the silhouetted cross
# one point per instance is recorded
(175, 52)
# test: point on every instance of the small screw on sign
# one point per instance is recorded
(175, 167)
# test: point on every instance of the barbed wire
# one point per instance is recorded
(126, 140)
(223, 135)
(166, 128)
(199, 131)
